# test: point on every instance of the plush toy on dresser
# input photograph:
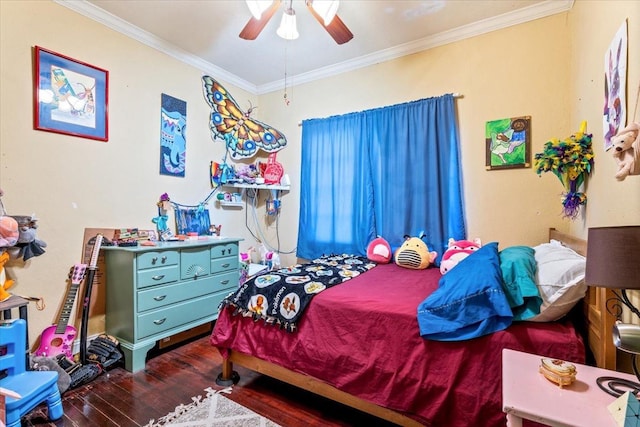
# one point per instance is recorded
(626, 151)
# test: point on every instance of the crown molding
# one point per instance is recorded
(103, 17)
(536, 11)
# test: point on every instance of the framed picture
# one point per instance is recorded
(70, 96)
(508, 143)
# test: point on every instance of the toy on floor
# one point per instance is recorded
(626, 151)
(456, 251)
(414, 253)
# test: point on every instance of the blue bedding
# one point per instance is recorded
(470, 300)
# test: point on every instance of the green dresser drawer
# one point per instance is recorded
(159, 296)
(154, 292)
(157, 259)
(158, 276)
(226, 280)
(158, 321)
(225, 264)
(224, 250)
(194, 263)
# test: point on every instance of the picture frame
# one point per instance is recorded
(508, 143)
(71, 97)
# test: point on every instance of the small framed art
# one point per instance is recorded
(70, 96)
(508, 143)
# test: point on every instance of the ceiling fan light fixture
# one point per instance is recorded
(256, 7)
(288, 29)
(327, 9)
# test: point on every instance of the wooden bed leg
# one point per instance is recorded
(228, 376)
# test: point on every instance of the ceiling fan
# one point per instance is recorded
(323, 10)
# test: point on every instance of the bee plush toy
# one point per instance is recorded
(414, 253)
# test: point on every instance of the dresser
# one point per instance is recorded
(154, 292)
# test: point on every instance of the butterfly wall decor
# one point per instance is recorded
(242, 134)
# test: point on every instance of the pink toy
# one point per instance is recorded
(457, 250)
(379, 251)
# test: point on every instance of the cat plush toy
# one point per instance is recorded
(457, 250)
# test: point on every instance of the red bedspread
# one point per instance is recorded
(363, 338)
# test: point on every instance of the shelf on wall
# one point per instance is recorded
(231, 204)
(258, 186)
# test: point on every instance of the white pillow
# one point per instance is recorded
(560, 280)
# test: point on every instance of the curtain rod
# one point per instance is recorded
(455, 95)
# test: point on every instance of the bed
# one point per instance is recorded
(359, 344)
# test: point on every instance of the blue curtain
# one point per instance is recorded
(389, 171)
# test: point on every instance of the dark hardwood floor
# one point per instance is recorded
(173, 375)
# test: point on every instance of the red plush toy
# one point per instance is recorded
(379, 251)
(457, 250)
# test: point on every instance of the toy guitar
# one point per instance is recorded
(58, 338)
(88, 285)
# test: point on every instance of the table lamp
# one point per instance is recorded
(613, 261)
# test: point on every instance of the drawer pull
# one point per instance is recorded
(154, 260)
(225, 282)
(158, 277)
(164, 259)
(160, 298)
(160, 322)
(225, 265)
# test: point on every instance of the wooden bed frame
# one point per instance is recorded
(596, 327)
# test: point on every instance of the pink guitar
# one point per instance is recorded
(58, 338)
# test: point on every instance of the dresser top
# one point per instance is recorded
(180, 244)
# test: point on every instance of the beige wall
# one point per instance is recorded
(550, 69)
(593, 26)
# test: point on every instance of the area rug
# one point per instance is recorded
(214, 410)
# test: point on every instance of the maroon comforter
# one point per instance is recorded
(363, 338)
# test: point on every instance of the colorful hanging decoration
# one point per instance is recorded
(243, 135)
(571, 160)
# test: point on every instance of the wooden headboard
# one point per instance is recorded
(598, 322)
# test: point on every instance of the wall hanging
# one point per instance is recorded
(571, 160)
(70, 96)
(508, 143)
(173, 138)
(243, 135)
(615, 78)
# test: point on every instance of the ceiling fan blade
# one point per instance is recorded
(336, 28)
(255, 26)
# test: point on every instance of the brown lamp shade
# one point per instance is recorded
(613, 257)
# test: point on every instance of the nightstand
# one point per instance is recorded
(526, 394)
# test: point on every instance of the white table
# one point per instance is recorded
(526, 394)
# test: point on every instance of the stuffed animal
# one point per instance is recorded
(456, 251)
(5, 283)
(8, 231)
(28, 245)
(626, 151)
(414, 253)
(379, 251)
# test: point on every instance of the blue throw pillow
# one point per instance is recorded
(470, 301)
